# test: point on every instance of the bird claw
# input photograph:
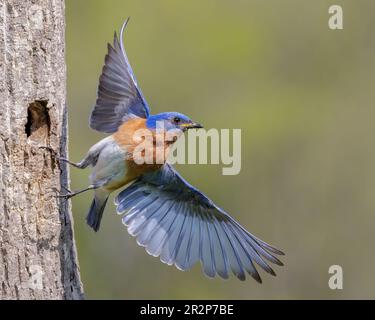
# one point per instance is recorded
(61, 159)
(65, 196)
(54, 154)
(66, 189)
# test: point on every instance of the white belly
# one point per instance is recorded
(110, 166)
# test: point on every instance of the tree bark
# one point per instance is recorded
(37, 250)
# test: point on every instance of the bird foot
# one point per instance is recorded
(69, 194)
(66, 196)
(56, 156)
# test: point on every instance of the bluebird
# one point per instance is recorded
(169, 217)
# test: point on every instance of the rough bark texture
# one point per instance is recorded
(37, 250)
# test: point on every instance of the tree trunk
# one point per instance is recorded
(37, 250)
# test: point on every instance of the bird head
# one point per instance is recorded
(171, 121)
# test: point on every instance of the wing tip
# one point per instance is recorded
(122, 32)
(274, 250)
(124, 25)
(269, 247)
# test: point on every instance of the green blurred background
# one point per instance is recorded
(303, 95)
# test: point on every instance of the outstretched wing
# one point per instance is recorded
(119, 96)
(177, 222)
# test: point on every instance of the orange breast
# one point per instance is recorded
(125, 133)
(128, 138)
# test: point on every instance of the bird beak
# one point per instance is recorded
(192, 125)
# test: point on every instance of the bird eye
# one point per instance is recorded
(176, 120)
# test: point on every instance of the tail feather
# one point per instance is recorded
(95, 214)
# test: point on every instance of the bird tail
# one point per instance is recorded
(97, 208)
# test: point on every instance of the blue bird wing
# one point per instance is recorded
(119, 97)
(177, 222)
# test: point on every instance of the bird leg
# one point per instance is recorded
(71, 194)
(80, 165)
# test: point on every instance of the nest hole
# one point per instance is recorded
(38, 123)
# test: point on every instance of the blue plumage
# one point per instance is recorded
(168, 216)
(170, 121)
(119, 97)
(177, 222)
